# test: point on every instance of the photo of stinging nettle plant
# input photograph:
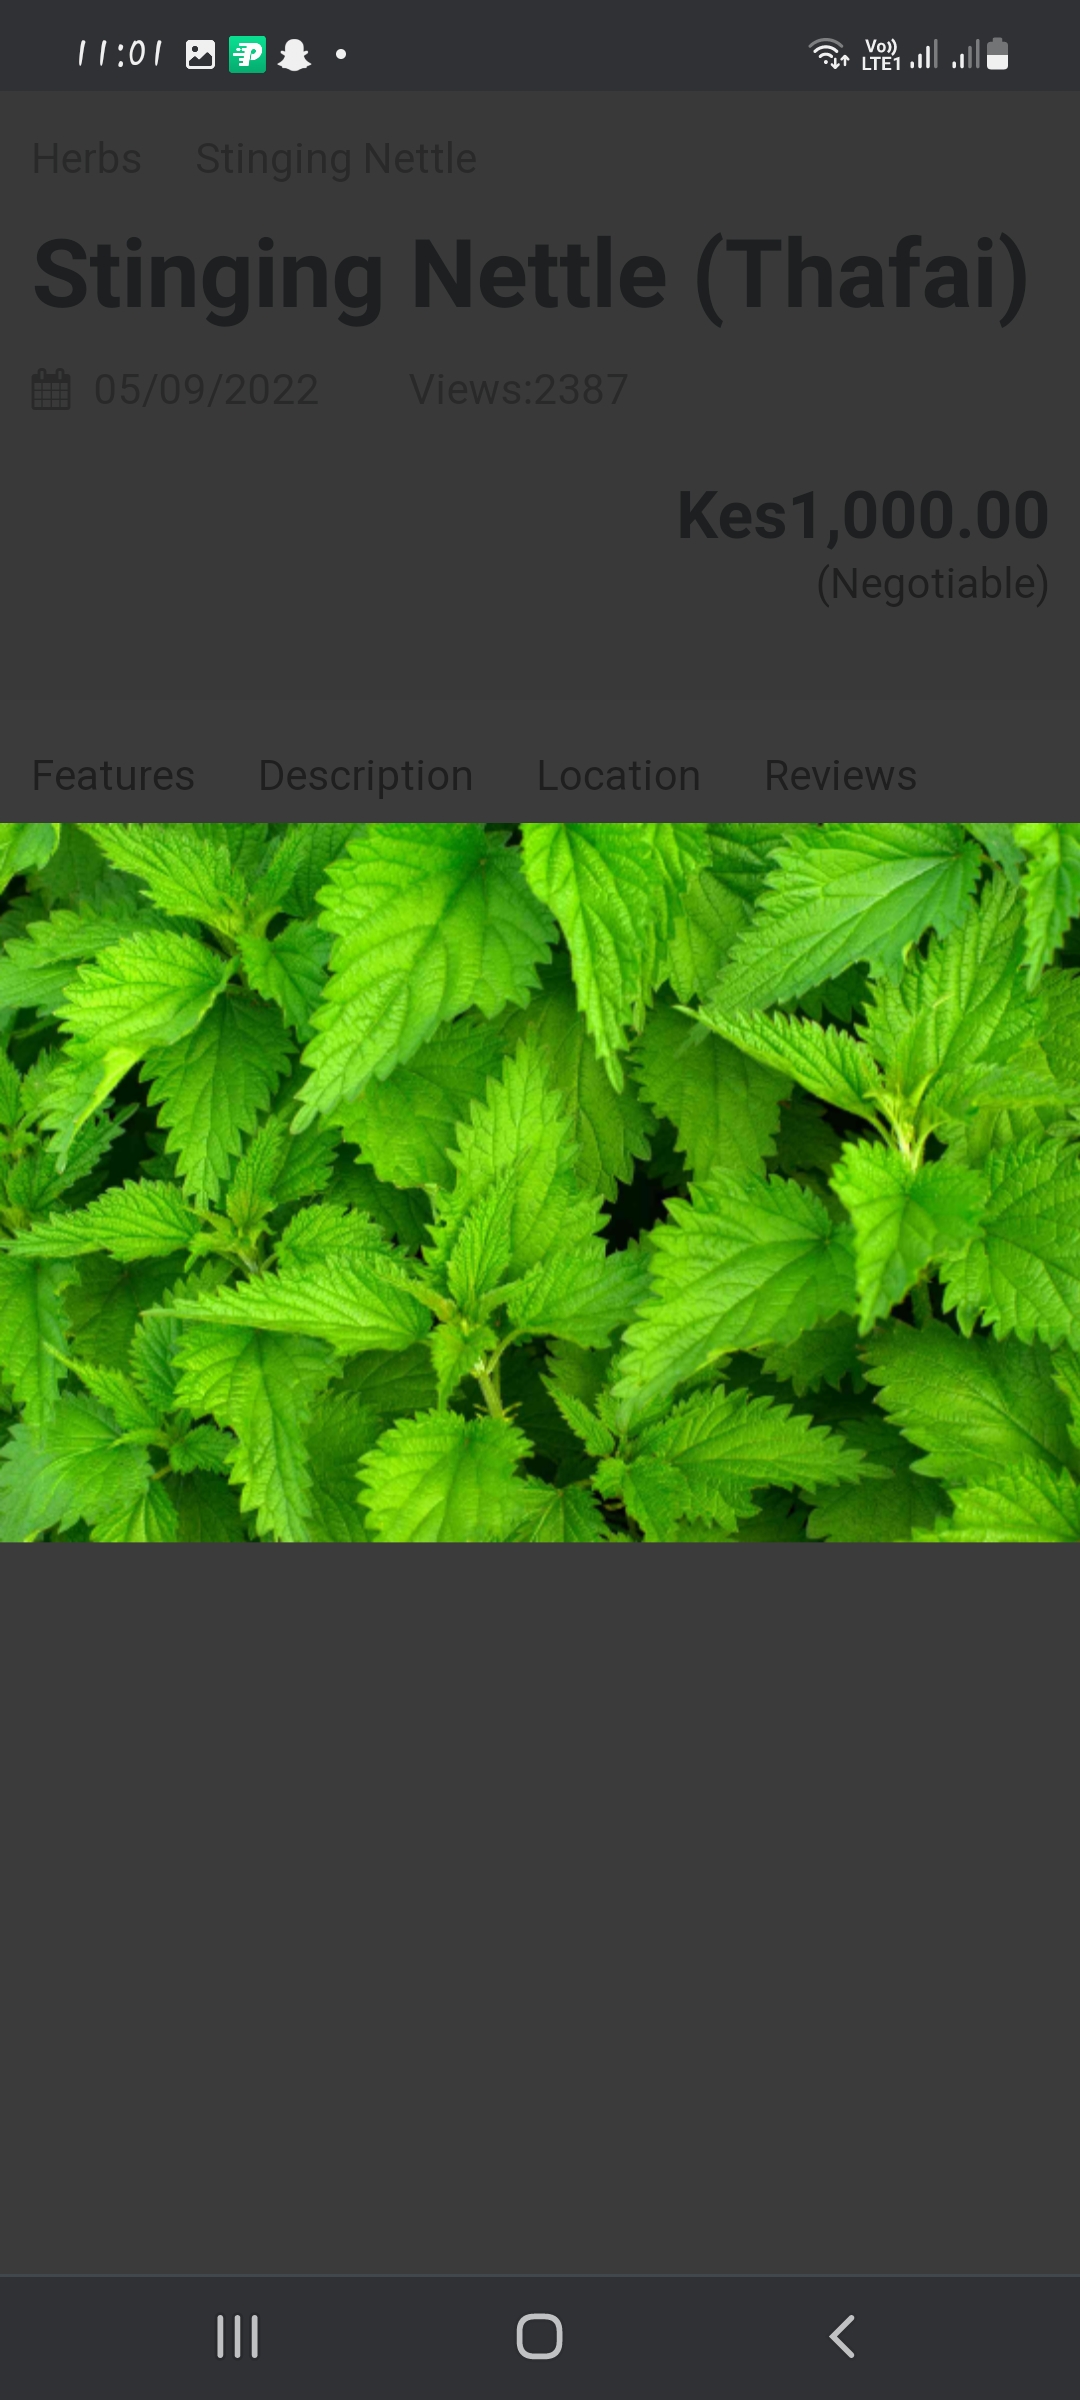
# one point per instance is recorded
(540, 1183)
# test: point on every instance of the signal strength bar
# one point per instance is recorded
(924, 59)
(969, 60)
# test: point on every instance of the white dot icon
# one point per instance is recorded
(339, 54)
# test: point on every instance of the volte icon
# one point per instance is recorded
(247, 54)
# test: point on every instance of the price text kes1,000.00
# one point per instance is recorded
(896, 514)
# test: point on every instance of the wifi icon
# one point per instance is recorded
(831, 54)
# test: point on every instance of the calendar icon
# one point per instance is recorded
(50, 391)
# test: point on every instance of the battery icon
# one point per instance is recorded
(997, 54)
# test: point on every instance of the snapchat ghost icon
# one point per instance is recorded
(294, 56)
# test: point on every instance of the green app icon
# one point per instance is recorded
(247, 54)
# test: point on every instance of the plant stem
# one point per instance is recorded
(920, 1302)
(489, 1385)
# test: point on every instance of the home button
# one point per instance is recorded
(543, 2342)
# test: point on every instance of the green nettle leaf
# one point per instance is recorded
(1021, 1274)
(380, 1183)
(400, 1218)
(78, 1467)
(118, 1394)
(562, 1513)
(74, 873)
(681, 853)
(393, 1383)
(11, 1094)
(440, 1478)
(959, 1002)
(78, 1086)
(610, 1127)
(104, 1305)
(341, 1432)
(203, 1449)
(522, 1131)
(527, 1399)
(459, 1348)
(291, 878)
(290, 969)
(896, 1502)
(779, 1519)
(828, 1354)
(961, 1033)
(613, 890)
(705, 1461)
(1051, 889)
(427, 921)
(134, 1220)
(210, 1088)
(741, 856)
(808, 1140)
(826, 1061)
(247, 845)
(405, 1126)
(261, 1386)
(24, 847)
(33, 1329)
(309, 1167)
(1023, 1503)
(147, 991)
(580, 1295)
(254, 1184)
(1060, 1038)
(751, 1259)
(998, 840)
(36, 969)
(150, 1351)
(724, 1106)
(186, 870)
(480, 1245)
(352, 1307)
(153, 1517)
(1067, 1380)
(207, 1511)
(970, 1405)
(710, 919)
(838, 894)
(595, 1437)
(327, 1230)
(903, 1216)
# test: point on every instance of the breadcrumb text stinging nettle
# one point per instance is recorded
(540, 1183)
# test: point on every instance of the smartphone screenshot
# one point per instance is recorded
(420, 1970)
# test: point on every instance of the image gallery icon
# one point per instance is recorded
(200, 54)
(50, 391)
(247, 54)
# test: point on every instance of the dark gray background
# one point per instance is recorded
(490, 587)
(714, 1922)
(415, 1915)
